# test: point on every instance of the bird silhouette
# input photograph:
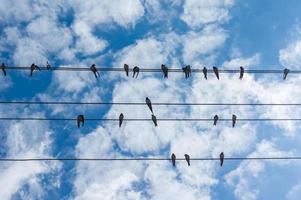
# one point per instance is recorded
(221, 158)
(149, 104)
(126, 69)
(187, 158)
(215, 118)
(94, 70)
(154, 118)
(215, 70)
(121, 117)
(80, 120)
(136, 71)
(173, 159)
(242, 71)
(285, 72)
(48, 66)
(234, 117)
(187, 71)
(164, 70)
(34, 67)
(205, 72)
(3, 69)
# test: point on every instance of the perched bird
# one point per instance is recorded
(173, 159)
(221, 158)
(48, 66)
(187, 158)
(215, 118)
(205, 72)
(80, 120)
(126, 69)
(154, 118)
(149, 104)
(165, 71)
(34, 67)
(187, 71)
(285, 72)
(121, 117)
(136, 71)
(3, 69)
(242, 71)
(94, 70)
(215, 70)
(234, 120)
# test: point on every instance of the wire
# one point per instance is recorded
(144, 159)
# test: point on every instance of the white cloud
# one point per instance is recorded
(290, 56)
(294, 193)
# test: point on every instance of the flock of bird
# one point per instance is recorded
(187, 158)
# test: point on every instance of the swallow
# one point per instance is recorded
(173, 159)
(94, 70)
(154, 118)
(242, 71)
(136, 71)
(164, 70)
(149, 104)
(215, 118)
(126, 69)
(121, 117)
(3, 69)
(48, 66)
(80, 119)
(221, 158)
(34, 67)
(205, 72)
(233, 120)
(187, 158)
(187, 71)
(285, 72)
(215, 70)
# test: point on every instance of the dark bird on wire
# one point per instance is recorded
(187, 71)
(221, 158)
(205, 72)
(48, 66)
(126, 69)
(154, 118)
(121, 117)
(3, 69)
(94, 70)
(173, 159)
(215, 70)
(164, 70)
(80, 120)
(149, 104)
(187, 158)
(215, 118)
(136, 71)
(34, 67)
(242, 71)
(233, 120)
(285, 72)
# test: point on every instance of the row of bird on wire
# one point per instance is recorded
(187, 158)
(186, 70)
(81, 118)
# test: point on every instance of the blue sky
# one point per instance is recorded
(258, 34)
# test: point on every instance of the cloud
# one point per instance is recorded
(290, 56)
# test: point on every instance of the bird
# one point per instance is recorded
(80, 119)
(165, 71)
(149, 104)
(94, 70)
(215, 118)
(242, 71)
(234, 120)
(187, 158)
(121, 117)
(221, 158)
(285, 72)
(187, 71)
(34, 67)
(48, 66)
(205, 72)
(173, 159)
(126, 69)
(136, 71)
(3, 69)
(154, 118)
(215, 70)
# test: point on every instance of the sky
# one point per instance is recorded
(257, 34)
